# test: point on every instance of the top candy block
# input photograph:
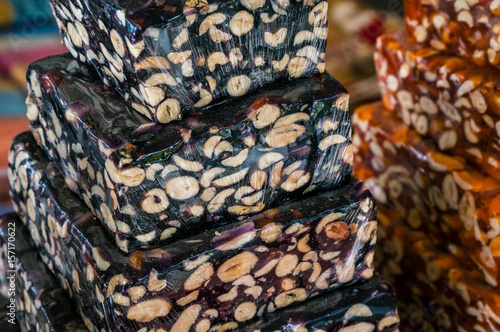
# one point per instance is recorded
(167, 56)
(470, 29)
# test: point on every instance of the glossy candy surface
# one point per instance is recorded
(436, 287)
(469, 29)
(152, 184)
(446, 99)
(231, 274)
(167, 57)
(441, 195)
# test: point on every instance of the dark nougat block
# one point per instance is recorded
(167, 57)
(41, 303)
(152, 184)
(230, 274)
(364, 306)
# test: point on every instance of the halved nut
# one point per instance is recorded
(269, 159)
(201, 275)
(237, 267)
(182, 188)
(275, 39)
(168, 111)
(238, 86)
(241, 23)
(147, 311)
(264, 115)
(210, 21)
(216, 58)
(284, 135)
(296, 180)
(155, 201)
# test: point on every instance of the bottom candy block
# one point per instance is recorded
(41, 303)
(233, 274)
(437, 289)
(44, 306)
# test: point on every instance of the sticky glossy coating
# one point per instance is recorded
(152, 184)
(229, 274)
(168, 57)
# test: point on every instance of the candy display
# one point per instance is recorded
(229, 274)
(448, 99)
(447, 294)
(166, 58)
(441, 194)
(469, 29)
(41, 303)
(152, 184)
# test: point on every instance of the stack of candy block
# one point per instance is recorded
(189, 168)
(430, 154)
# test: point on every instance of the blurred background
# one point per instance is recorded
(27, 32)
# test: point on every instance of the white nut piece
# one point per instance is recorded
(297, 67)
(281, 64)
(182, 188)
(210, 21)
(168, 111)
(155, 201)
(241, 23)
(253, 4)
(245, 311)
(207, 177)
(236, 267)
(319, 14)
(216, 58)
(284, 135)
(264, 115)
(202, 274)
(275, 39)
(147, 311)
(269, 159)
(238, 86)
(237, 160)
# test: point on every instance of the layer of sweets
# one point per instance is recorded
(442, 195)
(41, 303)
(230, 274)
(166, 57)
(436, 289)
(469, 29)
(448, 99)
(152, 184)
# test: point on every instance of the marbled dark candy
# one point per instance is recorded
(364, 306)
(152, 184)
(230, 274)
(41, 303)
(166, 57)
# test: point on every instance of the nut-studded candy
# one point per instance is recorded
(152, 184)
(436, 287)
(41, 304)
(469, 29)
(231, 274)
(448, 99)
(170, 57)
(436, 193)
(364, 306)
